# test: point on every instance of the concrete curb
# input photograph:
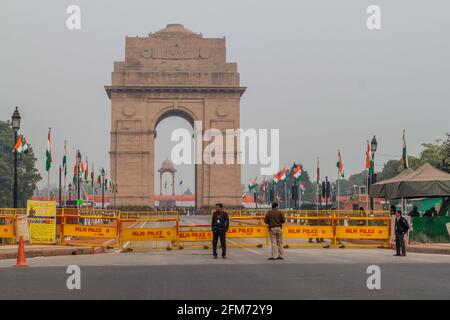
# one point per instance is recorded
(428, 250)
(52, 252)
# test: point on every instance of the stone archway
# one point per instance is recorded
(171, 72)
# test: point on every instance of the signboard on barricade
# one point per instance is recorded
(307, 232)
(193, 236)
(247, 232)
(362, 232)
(78, 230)
(149, 234)
(42, 218)
(6, 231)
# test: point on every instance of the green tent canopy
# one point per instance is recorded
(426, 181)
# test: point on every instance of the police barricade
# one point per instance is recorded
(362, 231)
(89, 228)
(148, 233)
(243, 231)
(303, 230)
(8, 219)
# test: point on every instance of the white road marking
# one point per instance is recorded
(256, 252)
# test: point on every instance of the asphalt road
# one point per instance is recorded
(246, 274)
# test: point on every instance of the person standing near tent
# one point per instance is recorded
(401, 228)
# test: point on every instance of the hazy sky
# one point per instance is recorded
(312, 69)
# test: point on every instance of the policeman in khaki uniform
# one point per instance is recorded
(275, 219)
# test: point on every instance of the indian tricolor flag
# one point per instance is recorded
(297, 171)
(302, 187)
(21, 145)
(252, 184)
(48, 153)
(280, 176)
(404, 153)
(369, 160)
(339, 165)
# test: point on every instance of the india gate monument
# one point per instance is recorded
(173, 72)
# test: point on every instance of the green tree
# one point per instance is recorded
(27, 174)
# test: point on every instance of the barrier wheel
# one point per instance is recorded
(327, 246)
(205, 247)
(169, 249)
(259, 245)
(286, 246)
(342, 246)
(180, 247)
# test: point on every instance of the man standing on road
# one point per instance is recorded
(401, 227)
(219, 226)
(275, 219)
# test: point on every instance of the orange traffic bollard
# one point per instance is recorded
(21, 261)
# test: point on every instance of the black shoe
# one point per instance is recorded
(224, 257)
(396, 255)
(280, 258)
(272, 258)
(215, 257)
(404, 255)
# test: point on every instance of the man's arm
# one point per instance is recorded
(212, 221)
(227, 222)
(266, 218)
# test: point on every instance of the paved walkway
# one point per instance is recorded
(31, 251)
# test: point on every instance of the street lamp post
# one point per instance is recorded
(15, 122)
(78, 176)
(373, 148)
(103, 188)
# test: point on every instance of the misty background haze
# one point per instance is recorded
(311, 68)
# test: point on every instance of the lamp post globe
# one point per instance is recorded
(374, 144)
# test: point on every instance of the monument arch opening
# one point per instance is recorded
(172, 179)
(171, 72)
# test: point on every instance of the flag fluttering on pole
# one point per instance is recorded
(297, 169)
(264, 185)
(280, 176)
(404, 153)
(21, 145)
(86, 171)
(302, 187)
(369, 160)
(181, 182)
(253, 183)
(64, 162)
(340, 165)
(48, 153)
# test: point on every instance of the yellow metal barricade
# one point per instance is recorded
(148, 233)
(89, 228)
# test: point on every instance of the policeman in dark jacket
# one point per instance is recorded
(401, 228)
(219, 226)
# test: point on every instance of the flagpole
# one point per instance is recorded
(65, 174)
(48, 172)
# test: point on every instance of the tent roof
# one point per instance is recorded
(426, 181)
